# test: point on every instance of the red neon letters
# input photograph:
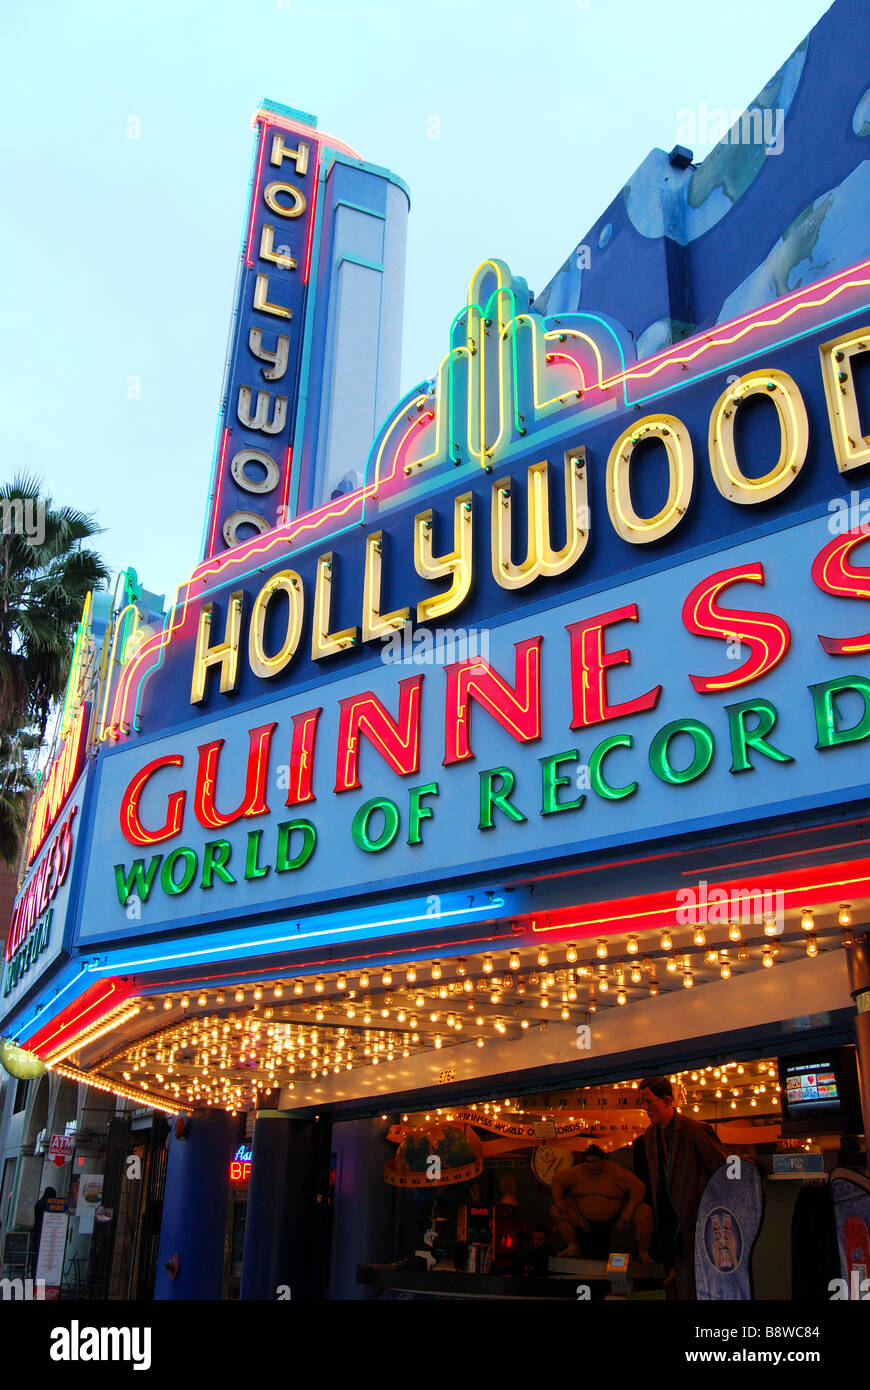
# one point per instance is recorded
(254, 801)
(302, 757)
(766, 634)
(397, 741)
(131, 826)
(833, 574)
(517, 708)
(47, 879)
(589, 662)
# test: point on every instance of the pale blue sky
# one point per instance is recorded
(119, 255)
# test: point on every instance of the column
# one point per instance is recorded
(284, 1207)
(195, 1207)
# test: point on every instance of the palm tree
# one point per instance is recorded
(17, 784)
(45, 577)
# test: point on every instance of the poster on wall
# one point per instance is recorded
(89, 1199)
(52, 1246)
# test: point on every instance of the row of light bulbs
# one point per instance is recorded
(713, 956)
(770, 926)
(599, 984)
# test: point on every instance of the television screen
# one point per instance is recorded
(811, 1088)
(819, 1092)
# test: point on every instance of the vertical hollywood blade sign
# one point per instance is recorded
(255, 438)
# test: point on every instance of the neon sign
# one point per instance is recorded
(240, 1166)
(57, 784)
(258, 423)
(220, 650)
(270, 857)
(389, 473)
(42, 888)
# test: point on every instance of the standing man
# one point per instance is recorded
(682, 1155)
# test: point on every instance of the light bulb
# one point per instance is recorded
(631, 945)
(278, 992)
(514, 961)
(364, 980)
(770, 927)
(666, 941)
(699, 937)
(298, 987)
(411, 975)
(688, 980)
(487, 965)
(436, 970)
(844, 917)
(725, 970)
(318, 985)
(653, 989)
(766, 958)
(386, 976)
(621, 997)
(807, 919)
(543, 958)
(733, 931)
(570, 955)
(812, 945)
(601, 948)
